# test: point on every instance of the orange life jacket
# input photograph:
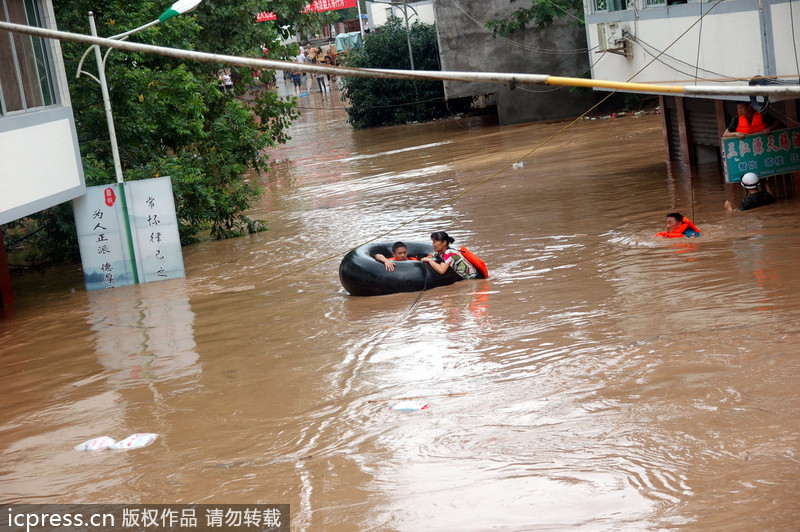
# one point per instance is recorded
(756, 126)
(678, 231)
(475, 261)
(409, 258)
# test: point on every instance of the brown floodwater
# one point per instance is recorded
(601, 379)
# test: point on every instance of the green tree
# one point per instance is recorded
(382, 102)
(170, 116)
(541, 14)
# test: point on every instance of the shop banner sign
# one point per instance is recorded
(119, 248)
(766, 154)
(317, 6)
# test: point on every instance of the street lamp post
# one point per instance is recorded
(408, 34)
(101, 80)
(406, 7)
(178, 8)
(360, 22)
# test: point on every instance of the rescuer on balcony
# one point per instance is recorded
(751, 121)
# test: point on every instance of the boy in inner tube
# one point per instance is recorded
(399, 252)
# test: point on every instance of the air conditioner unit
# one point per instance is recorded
(608, 33)
(611, 38)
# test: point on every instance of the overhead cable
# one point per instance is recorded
(497, 77)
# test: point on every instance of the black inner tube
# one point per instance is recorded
(362, 275)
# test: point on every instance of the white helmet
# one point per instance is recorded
(750, 180)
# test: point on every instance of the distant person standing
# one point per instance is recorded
(317, 59)
(749, 121)
(307, 59)
(755, 196)
(297, 75)
(227, 80)
(332, 62)
(297, 81)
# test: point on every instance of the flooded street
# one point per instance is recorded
(601, 379)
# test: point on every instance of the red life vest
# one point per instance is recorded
(475, 261)
(679, 230)
(756, 126)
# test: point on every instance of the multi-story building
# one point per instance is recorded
(40, 165)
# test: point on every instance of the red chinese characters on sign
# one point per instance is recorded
(783, 141)
(771, 144)
(758, 146)
(744, 148)
(110, 197)
(317, 6)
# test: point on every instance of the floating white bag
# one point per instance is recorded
(96, 444)
(135, 441)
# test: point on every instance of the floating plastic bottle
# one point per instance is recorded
(409, 406)
(134, 441)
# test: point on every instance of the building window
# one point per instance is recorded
(26, 69)
(601, 6)
(351, 25)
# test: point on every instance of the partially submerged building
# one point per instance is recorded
(730, 42)
(40, 165)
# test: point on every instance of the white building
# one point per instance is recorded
(678, 41)
(40, 165)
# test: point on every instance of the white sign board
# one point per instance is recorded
(155, 225)
(118, 250)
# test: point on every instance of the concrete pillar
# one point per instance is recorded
(722, 125)
(687, 149)
(6, 297)
(668, 152)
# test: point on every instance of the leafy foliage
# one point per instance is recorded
(170, 116)
(541, 15)
(381, 102)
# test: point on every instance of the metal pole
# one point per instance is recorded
(360, 25)
(101, 74)
(112, 133)
(408, 35)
